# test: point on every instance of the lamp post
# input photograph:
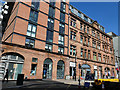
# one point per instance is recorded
(75, 64)
(79, 74)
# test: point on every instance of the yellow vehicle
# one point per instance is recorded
(100, 81)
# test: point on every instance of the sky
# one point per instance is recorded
(105, 13)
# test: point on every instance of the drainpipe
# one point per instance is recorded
(68, 29)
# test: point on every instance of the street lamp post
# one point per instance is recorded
(79, 74)
(75, 64)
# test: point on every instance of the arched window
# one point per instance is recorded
(60, 69)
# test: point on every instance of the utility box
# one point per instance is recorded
(20, 79)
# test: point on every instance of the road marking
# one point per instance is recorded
(68, 86)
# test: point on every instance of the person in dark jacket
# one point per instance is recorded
(6, 75)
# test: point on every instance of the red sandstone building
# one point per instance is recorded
(41, 40)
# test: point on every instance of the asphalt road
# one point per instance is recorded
(42, 85)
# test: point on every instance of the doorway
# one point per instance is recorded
(47, 69)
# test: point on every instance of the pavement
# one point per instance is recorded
(41, 84)
(73, 82)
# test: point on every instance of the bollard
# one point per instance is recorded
(20, 79)
(79, 83)
(103, 87)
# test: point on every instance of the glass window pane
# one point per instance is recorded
(34, 29)
(29, 27)
(33, 35)
(28, 33)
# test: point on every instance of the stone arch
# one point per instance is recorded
(14, 63)
(13, 53)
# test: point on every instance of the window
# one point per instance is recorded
(73, 22)
(81, 38)
(31, 30)
(34, 59)
(73, 35)
(88, 54)
(50, 24)
(110, 41)
(85, 18)
(94, 43)
(81, 26)
(63, 6)
(33, 15)
(51, 11)
(99, 57)
(98, 35)
(79, 14)
(108, 60)
(33, 69)
(61, 40)
(94, 56)
(49, 37)
(112, 60)
(81, 52)
(62, 17)
(106, 39)
(61, 28)
(84, 28)
(110, 50)
(103, 46)
(88, 41)
(35, 4)
(48, 47)
(85, 54)
(52, 2)
(98, 45)
(88, 30)
(93, 33)
(103, 58)
(29, 43)
(102, 37)
(60, 50)
(72, 50)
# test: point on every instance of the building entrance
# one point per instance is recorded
(14, 64)
(14, 70)
(85, 69)
(47, 69)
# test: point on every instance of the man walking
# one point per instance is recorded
(6, 75)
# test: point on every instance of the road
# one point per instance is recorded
(40, 85)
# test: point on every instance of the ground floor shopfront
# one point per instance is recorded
(43, 65)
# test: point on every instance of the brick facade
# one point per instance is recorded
(15, 35)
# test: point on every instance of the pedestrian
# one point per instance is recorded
(6, 75)
(107, 76)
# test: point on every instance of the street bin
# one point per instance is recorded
(20, 79)
(87, 84)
